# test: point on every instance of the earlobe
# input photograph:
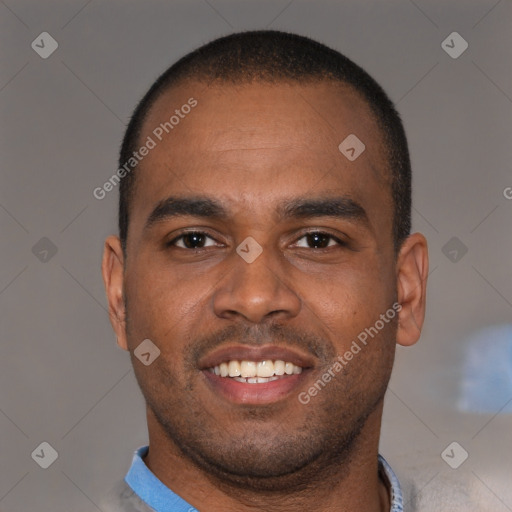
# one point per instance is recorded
(113, 278)
(412, 273)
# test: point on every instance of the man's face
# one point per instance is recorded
(268, 157)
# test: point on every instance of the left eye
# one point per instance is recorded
(318, 240)
(193, 240)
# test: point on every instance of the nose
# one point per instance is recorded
(256, 291)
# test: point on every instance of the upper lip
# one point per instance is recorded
(252, 353)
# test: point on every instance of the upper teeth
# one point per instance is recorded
(246, 369)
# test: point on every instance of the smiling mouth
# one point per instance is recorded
(255, 372)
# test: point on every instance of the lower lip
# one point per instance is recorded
(264, 393)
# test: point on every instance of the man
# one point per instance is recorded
(263, 274)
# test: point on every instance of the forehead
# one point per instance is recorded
(230, 113)
(256, 140)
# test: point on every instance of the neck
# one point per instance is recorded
(353, 484)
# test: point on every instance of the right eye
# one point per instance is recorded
(192, 240)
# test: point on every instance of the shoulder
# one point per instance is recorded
(432, 486)
(121, 498)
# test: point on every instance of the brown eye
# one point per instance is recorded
(318, 240)
(192, 240)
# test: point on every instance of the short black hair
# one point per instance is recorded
(275, 57)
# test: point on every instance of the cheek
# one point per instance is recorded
(162, 304)
(350, 299)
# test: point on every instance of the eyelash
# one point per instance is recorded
(172, 243)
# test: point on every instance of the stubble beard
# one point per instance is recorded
(267, 458)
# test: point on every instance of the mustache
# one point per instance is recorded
(257, 335)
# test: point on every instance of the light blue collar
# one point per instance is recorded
(150, 490)
(159, 497)
(397, 501)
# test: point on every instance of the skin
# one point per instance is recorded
(253, 147)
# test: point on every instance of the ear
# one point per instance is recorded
(112, 269)
(412, 273)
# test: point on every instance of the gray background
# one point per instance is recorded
(63, 380)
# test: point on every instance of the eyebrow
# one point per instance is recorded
(186, 206)
(337, 207)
